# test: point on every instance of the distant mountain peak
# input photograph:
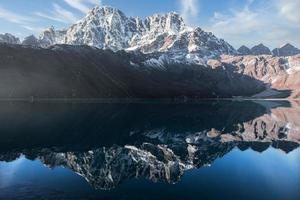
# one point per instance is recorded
(261, 49)
(244, 50)
(286, 50)
(286, 45)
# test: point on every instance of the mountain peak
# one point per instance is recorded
(106, 27)
(287, 45)
(244, 50)
(31, 40)
(9, 39)
(286, 50)
(103, 11)
(261, 49)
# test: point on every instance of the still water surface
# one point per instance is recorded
(200, 150)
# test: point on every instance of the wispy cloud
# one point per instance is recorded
(274, 24)
(14, 17)
(237, 22)
(59, 14)
(82, 5)
(23, 21)
(32, 28)
(189, 9)
(290, 10)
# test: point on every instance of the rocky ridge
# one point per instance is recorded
(279, 73)
(105, 27)
(9, 39)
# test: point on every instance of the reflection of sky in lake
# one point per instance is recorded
(247, 175)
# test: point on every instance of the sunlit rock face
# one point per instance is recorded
(279, 73)
(147, 141)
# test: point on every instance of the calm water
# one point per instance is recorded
(201, 150)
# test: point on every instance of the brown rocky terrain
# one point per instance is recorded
(281, 74)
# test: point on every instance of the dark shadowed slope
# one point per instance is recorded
(64, 71)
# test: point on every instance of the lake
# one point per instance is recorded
(150, 150)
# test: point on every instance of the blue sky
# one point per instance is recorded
(273, 22)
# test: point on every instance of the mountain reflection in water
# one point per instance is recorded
(109, 144)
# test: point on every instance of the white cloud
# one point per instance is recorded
(32, 28)
(14, 17)
(59, 14)
(23, 21)
(238, 22)
(290, 9)
(189, 9)
(82, 5)
(268, 22)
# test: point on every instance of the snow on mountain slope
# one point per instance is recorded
(9, 39)
(50, 36)
(109, 28)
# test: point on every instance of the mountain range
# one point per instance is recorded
(106, 27)
(261, 49)
(107, 54)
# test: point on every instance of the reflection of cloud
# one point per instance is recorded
(8, 171)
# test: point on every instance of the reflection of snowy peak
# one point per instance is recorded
(109, 28)
(145, 140)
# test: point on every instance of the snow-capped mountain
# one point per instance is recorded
(31, 40)
(9, 39)
(286, 50)
(51, 36)
(109, 28)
